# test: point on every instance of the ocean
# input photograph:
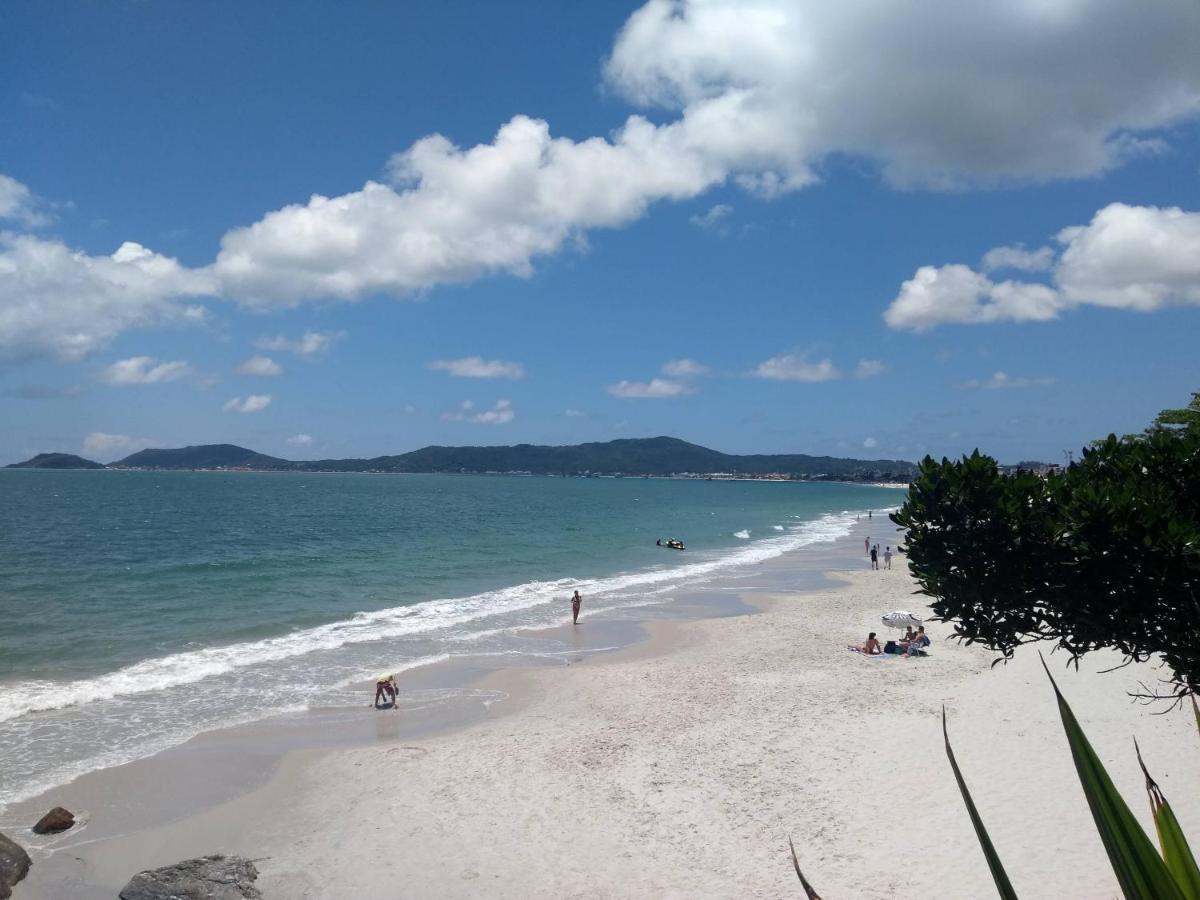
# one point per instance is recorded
(138, 609)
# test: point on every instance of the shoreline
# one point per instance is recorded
(679, 765)
(224, 765)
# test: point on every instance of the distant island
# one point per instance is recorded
(631, 457)
(56, 461)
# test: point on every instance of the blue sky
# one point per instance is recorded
(785, 249)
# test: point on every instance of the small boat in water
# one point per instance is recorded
(671, 544)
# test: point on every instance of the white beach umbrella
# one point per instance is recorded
(900, 619)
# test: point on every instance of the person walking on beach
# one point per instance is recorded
(867, 544)
(875, 557)
(576, 602)
(887, 557)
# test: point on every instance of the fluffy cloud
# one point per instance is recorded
(655, 388)
(59, 303)
(869, 368)
(1038, 260)
(114, 446)
(300, 440)
(1128, 257)
(19, 204)
(684, 368)
(870, 443)
(144, 370)
(574, 413)
(453, 215)
(262, 366)
(951, 93)
(252, 404)
(308, 346)
(1000, 380)
(500, 414)
(796, 367)
(478, 367)
(758, 92)
(714, 219)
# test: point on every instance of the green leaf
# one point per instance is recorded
(808, 888)
(1139, 869)
(1175, 850)
(1003, 885)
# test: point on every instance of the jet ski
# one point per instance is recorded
(672, 544)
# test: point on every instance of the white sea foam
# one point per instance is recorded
(777, 527)
(189, 667)
(744, 534)
(157, 703)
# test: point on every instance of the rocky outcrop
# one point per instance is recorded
(206, 878)
(58, 819)
(14, 864)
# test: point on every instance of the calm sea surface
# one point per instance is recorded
(140, 608)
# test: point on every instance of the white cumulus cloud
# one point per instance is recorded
(478, 367)
(1128, 257)
(309, 345)
(300, 440)
(262, 366)
(144, 370)
(1000, 380)
(869, 368)
(870, 443)
(684, 368)
(714, 218)
(655, 388)
(59, 303)
(19, 204)
(500, 414)
(754, 92)
(1038, 260)
(797, 367)
(251, 404)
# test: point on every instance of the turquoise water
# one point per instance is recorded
(139, 608)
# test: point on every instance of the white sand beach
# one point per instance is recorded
(679, 767)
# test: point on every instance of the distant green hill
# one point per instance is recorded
(637, 456)
(56, 461)
(205, 456)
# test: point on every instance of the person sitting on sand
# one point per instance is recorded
(917, 645)
(909, 635)
(576, 602)
(385, 687)
(871, 646)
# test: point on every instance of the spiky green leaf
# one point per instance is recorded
(1003, 885)
(1140, 871)
(1175, 850)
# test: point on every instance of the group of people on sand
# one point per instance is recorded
(912, 644)
(873, 551)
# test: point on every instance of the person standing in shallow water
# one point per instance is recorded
(576, 602)
(874, 557)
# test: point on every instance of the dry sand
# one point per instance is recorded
(679, 769)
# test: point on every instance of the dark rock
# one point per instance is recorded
(14, 864)
(58, 819)
(206, 878)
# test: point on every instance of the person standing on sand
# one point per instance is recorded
(887, 557)
(874, 557)
(867, 544)
(576, 602)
